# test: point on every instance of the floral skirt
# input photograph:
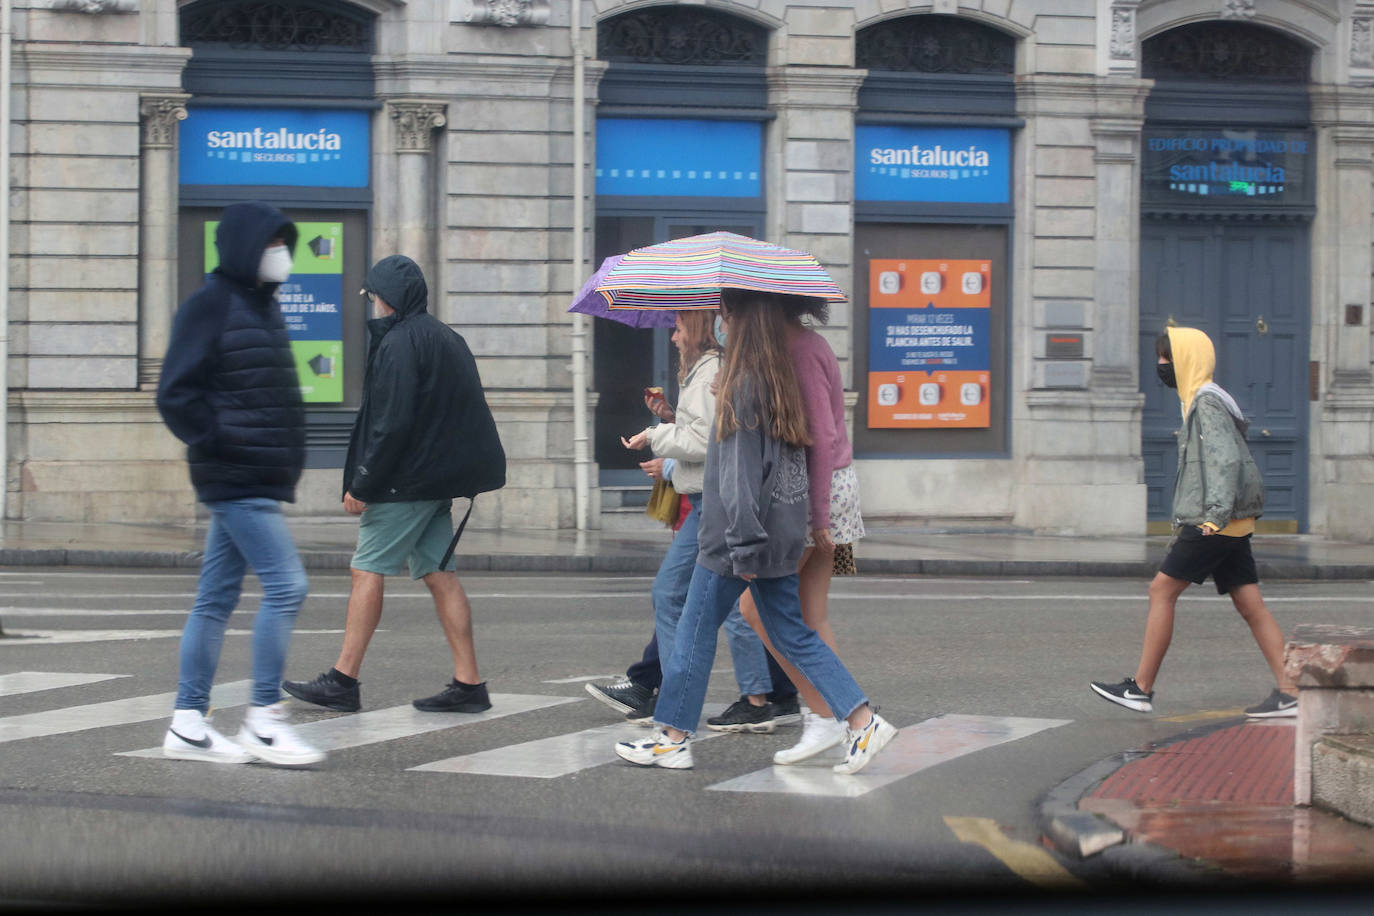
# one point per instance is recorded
(846, 522)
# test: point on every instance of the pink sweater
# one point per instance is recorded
(818, 372)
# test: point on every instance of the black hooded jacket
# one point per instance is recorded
(424, 430)
(229, 387)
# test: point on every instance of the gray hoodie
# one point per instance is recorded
(754, 510)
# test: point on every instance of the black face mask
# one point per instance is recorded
(1166, 374)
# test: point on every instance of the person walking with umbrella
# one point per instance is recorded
(754, 518)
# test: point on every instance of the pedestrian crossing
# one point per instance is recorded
(27, 639)
(918, 747)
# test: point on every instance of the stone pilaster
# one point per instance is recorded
(1342, 292)
(1078, 427)
(157, 257)
(810, 190)
(414, 124)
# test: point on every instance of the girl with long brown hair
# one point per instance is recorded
(753, 525)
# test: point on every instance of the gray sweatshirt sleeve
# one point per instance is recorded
(741, 493)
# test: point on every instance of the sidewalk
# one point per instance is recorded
(327, 543)
(1209, 807)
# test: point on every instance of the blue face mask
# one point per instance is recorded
(720, 331)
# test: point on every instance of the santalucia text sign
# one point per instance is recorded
(322, 148)
(1226, 167)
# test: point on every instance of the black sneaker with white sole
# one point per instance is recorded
(1127, 693)
(1278, 705)
(622, 694)
(743, 716)
(787, 712)
(644, 715)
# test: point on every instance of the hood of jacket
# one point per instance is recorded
(1195, 360)
(243, 232)
(398, 280)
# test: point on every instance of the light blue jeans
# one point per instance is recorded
(243, 533)
(670, 596)
(687, 669)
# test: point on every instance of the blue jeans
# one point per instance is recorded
(243, 533)
(709, 600)
(670, 595)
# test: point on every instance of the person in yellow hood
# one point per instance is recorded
(1218, 494)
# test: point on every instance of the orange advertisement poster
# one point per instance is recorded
(929, 353)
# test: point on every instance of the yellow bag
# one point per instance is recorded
(663, 503)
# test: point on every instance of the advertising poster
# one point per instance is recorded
(312, 304)
(928, 344)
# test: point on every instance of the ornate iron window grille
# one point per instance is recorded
(1230, 51)
(935, 44)
(279, 26)
(681, 35)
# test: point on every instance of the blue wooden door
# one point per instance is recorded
(1246, 285)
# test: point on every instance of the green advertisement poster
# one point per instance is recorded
(312, 305)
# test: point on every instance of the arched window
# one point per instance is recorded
(301, 48)
(1229, 51)
(935, 44)
(928, 65)
(681, 35)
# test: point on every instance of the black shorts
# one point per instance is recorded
(1196, 556)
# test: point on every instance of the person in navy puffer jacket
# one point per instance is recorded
(230, 391)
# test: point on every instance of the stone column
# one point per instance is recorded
(157, 259)
(1342, 263)
(414, 122)
(1116, 273)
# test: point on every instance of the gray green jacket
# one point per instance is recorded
(1217, 478)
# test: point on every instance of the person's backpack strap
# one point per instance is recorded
(453, 544)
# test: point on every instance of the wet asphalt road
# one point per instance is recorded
(81, 822)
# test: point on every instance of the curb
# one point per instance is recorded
(1099, 845)
(629, 563)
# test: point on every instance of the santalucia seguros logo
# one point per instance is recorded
(279, 145)
(937, 161)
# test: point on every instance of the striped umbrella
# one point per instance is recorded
(690, 273)
(589, 302)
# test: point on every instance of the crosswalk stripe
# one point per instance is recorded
(34, 681)
(395, 722)
(31, 638)
(558, 755)
(918, 747)
(111, 712)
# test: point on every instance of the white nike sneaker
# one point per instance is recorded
(191, 738)
(657, 751)
(864, 744)
(269, 737)
(819, 734)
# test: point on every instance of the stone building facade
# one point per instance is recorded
(1205, 161)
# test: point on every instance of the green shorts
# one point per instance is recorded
(392, 535)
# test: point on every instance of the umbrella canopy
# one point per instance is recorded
(690, 273)
(590, 302)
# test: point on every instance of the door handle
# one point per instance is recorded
(1265, 433)
(1262, 326)
(1175, 434)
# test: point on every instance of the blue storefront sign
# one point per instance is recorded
(647, 157)
(275, 146)
(938, 164)
(1226, 166)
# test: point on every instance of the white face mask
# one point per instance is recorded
(275, 266)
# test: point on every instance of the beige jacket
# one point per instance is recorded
(685, 439)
